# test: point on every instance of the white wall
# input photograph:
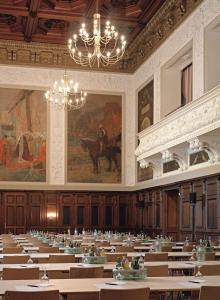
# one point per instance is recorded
(191, 32)
(192, 29)
(212, 52)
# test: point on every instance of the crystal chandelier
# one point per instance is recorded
(104, 49)
(65, 94)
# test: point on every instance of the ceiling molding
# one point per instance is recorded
(162, 24)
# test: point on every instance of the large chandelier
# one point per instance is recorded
(65, 94)
(104, 49)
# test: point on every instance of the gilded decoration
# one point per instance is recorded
(162, 24)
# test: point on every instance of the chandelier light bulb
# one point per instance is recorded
(101, 48)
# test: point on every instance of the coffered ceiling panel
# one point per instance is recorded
(46, 24)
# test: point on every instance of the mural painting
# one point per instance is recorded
(94, 152)
(23, 131)
(145, 119)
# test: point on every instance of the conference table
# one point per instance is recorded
(81, 289)
(172, 265)
(171, 255)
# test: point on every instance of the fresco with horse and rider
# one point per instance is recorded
(94, 152)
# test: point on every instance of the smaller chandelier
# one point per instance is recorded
(65, 94)
(106, 49)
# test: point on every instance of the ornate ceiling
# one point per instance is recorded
(33, 31)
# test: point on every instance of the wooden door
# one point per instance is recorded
(172, 213)
(15, 205)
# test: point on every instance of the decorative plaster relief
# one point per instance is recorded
(195, 119)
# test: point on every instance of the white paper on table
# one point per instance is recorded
(111, 285)
(193, 283)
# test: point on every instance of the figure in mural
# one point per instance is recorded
(102, 138)
(22, 135)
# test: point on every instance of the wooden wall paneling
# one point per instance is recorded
(157, 209)
(15, 204)
(66, 211)
(212, 202)
(200, 212)
(134, 210)
(51, 210)
(82, 210)
(109, 211)
(185, 209)
(171, 213)
(95, 210)
(149, 209)
(34, 210)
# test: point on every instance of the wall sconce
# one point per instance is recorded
(51, 215)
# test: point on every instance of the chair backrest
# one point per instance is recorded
(157, 271)
(210, 256)
(124, 294)
(187, 248)
(102, 244)
(89, 272)
(209, 293)
(166, 248)
(15, 259)
(124, 249)
(42, 295)
(10, 244)
(112, 257)
(209, 270)
(56, 258)
(12, 250)
(156, 256)
(20, 273)
(49, 250)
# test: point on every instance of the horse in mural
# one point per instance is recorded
(110, 152)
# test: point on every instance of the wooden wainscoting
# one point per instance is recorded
(167, 210)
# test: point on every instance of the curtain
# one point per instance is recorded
(186, 85)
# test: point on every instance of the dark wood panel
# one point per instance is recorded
(60, 210)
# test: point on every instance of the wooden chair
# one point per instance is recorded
(210, 256)
(156, 256)
(209, 293)
(102, 244)
(209, 270)
(157, 271)
(188, 248)
(124, 294)
(20, 273)
(12, 250)
(10, 244)
(56, 258)
(166, 248)
(83, 272)
(42, 295)
(124, 249)
(57, 274)
(49, 250)
(15, 259)
(112, 257)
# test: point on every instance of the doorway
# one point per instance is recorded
(172, 213)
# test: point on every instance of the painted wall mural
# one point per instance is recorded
(94, 150)
(145, 119)
(145, 106)
(23, 131)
